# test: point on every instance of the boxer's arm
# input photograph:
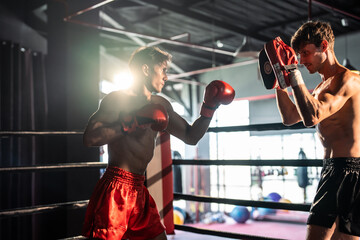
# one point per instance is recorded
(103, 126)
(180, 128)
(216, 93)
(287, 109)
(313, 110)
(189, 134)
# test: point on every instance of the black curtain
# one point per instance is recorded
(23, 106)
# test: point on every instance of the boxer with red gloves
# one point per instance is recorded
(334, 107)
(128, 122)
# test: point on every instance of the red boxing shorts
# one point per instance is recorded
(121, 207)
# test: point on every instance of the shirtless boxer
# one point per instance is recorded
(121, 206)
(334, 108)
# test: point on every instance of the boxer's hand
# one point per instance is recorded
(296, 78)
(216, 93)
(151, 115)
(283, 61)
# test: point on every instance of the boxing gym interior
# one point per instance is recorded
(249, 177)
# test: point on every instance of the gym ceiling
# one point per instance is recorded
(235, 28)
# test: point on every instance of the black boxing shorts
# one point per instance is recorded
(338, 195)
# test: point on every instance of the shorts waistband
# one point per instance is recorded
(343, 162)
(124, 176)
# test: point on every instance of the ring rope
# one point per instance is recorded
(258, 127)
(56, 167)
(253, 127)
(83, 203)
(284, 162)
(238, 202)
(42, 208)
(41, 133)
(74, 238)
(221, 233)
(84, 165)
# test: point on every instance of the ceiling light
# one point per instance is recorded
(219, 44)
(344, 22)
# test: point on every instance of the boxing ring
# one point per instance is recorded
(82, 203)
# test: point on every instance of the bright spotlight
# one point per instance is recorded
(123, 80)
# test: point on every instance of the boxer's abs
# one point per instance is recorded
(134, 152)
(339, 142)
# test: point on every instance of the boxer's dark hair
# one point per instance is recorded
(313, 32)
(150, 56)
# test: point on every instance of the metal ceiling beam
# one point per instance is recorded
(88, 9)
(289, 21)
(196, 55)
(187, 74)
(134, 34)
(202, 18)
(154, 38)
(336, 9)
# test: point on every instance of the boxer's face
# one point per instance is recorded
(158, 77)
(311, 57)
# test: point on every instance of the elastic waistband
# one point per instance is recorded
(124, 176)
(343, 162)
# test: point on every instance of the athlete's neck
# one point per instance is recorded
(330, 66)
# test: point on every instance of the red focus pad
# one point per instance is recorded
(283, 59)
(267, 73)
(216, 93)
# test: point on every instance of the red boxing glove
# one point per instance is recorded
(216, 93)
(283, 60)
(151, 115)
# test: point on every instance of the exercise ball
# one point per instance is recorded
(240, 214)
(183, 212)
(266, 211)
(275, 197)
(284, 200)
(178, 217)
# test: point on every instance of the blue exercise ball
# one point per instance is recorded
(240, 214)
(275, 197)
(182, 211)
(266, 211)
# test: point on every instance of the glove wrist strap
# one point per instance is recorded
(207, 111)
(296, 78)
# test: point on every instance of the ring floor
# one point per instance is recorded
(271, 229)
